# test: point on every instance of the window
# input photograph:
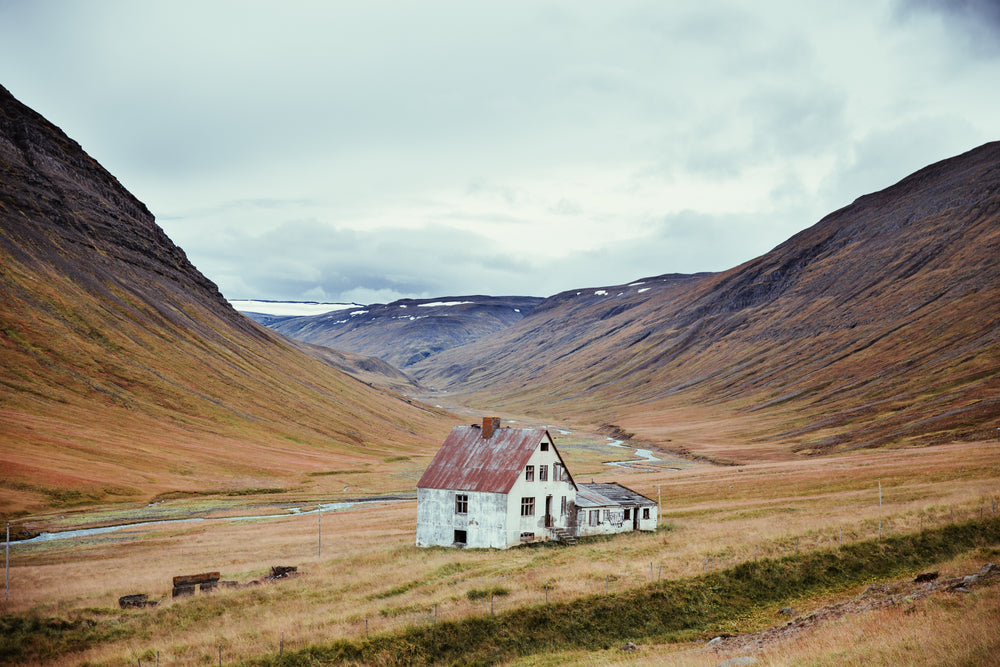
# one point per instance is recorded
(563, 510)
(460, 537)
(595, 517)
(545, 446)
(543, 473)
(556, 472)
(529, 473)
(645, 512)
(628, 514)
(461, 503)
(527, 507)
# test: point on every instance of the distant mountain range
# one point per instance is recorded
(408, 331)
(126, 374)
(880, 324)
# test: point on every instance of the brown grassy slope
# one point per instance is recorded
(125, 373)
(876, 325)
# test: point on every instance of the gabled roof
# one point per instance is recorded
(469, 462)
(605, 495)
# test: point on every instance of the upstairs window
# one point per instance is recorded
(527, 507)
(461, 504)
(529, 473)
(543, 473)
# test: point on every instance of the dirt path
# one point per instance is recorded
(874, 597)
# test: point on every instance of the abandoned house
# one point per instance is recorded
(493, 487)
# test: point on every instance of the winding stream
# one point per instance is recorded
(293, 511)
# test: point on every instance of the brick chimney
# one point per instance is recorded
(490, 424)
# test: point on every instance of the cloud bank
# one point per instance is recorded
(342, 151)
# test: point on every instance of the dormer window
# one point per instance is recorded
(529, 473)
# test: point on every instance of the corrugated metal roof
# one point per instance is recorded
(469, 462)
(604, 495)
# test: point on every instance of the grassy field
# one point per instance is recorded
(370, 580)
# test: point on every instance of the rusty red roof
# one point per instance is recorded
(469, 462)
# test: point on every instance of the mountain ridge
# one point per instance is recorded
(126, 374)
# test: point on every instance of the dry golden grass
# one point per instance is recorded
(370, 571)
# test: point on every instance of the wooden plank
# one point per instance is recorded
(195, 579)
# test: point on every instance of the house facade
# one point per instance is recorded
(493, 487)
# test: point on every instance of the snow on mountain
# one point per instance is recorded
(288, 308)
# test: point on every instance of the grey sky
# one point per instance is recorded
(367, 151)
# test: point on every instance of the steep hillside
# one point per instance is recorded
(877, 325)
(406, 332)
(125, 373)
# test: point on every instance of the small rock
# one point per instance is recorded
(713, 642)
(961, 589)
(628, 646)
(738, 661)
(987, 569)
(787, 611)
(970, 580)
(926, 576)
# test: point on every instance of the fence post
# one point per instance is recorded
(281, 645)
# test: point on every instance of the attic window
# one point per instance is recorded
(545, 446)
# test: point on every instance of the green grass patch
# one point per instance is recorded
(483, 593)
(672, 610)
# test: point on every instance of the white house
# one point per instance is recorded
(492, 487)
(495, 487)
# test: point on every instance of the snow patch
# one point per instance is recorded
(435, 304)
(644, 289)
(288, 308)
(601, 292)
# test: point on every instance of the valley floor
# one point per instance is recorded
(361, 575)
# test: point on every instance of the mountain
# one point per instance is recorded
(878, 325)
(408, 331)
(126, 374)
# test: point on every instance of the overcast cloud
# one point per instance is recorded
(368, 151)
